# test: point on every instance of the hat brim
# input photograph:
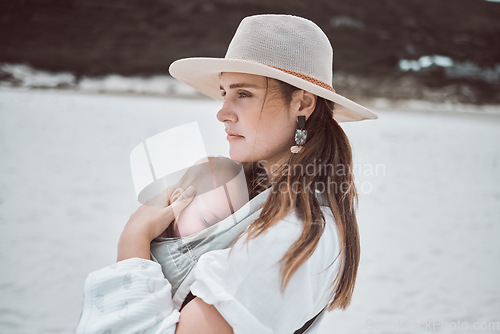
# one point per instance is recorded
(203, 75)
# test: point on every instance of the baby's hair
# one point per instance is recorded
(210, 173)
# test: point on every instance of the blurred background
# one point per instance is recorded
(83, 82)
(446, 50)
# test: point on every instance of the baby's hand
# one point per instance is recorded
(147, 223)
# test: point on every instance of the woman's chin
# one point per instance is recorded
(236, 157)
(237, 154)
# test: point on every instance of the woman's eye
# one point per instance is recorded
(239, 94)
(244, 94)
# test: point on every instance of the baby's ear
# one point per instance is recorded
(175, 195)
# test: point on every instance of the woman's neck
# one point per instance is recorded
(273, 167)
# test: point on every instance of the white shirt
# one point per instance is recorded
(243, 283)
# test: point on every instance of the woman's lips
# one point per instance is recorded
(233, 136)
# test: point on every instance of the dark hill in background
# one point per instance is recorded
(142, 37)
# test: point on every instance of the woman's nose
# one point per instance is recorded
(226, 114)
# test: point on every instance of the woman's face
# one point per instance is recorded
(259, 125)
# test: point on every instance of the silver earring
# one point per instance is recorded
(300, 135)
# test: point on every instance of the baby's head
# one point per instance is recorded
(221, 190)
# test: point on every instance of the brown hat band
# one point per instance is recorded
(306, 77)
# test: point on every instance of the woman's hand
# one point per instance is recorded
(148, 222)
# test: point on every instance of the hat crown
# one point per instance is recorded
(288, 42)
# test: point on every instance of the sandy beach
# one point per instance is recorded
(429, 207)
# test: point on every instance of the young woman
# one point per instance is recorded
(301, 255)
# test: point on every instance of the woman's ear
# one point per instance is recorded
(304, 103)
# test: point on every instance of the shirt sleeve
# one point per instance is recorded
(130, 296)
(243, 283)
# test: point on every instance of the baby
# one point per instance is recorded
(220, 191)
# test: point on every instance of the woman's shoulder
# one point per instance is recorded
(244, 282)
(291, 227)
(271, 245)
(329, 242)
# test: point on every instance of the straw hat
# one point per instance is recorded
(284, 47)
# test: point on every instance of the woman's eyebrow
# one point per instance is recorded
(240, 85)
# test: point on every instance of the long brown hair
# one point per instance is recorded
(329, 182)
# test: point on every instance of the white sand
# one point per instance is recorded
(429, 208)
